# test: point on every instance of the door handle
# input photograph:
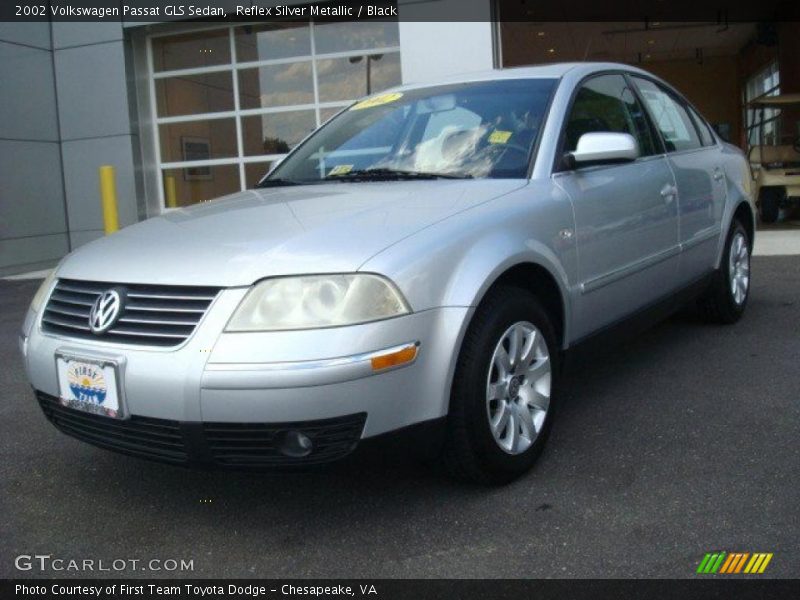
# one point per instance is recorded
(718, 175)
(668, 192)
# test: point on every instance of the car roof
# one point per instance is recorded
(548, 71)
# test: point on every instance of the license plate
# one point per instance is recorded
(88, 385)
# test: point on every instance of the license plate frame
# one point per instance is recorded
(90, 384)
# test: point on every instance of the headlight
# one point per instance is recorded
(41, 293)
(315, 301)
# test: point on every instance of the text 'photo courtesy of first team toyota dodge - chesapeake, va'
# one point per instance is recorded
(426, 257)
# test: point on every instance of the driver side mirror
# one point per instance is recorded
(602, 148)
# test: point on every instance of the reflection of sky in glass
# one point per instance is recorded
(276, 85)
(271, 42)
(348, 35)
(289, 127)
(339, 79)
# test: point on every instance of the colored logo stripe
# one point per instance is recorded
(711, 562)
(758, 563)
(734, 562)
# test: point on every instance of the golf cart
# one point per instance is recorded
(775, 168)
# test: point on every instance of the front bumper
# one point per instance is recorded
(259, 445)
(274, 381)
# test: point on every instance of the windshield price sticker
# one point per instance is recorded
(340, 170)
(377, 101)
(499, 137)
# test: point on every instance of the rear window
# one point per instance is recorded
(670, 116)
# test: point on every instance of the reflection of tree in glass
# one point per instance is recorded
(274, 145)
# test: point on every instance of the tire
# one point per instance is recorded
(770, 204)
(475, 451)
(721, 303)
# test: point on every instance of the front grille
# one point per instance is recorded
(152, 315)
(222, 444)
(257, 444)
(144, 437)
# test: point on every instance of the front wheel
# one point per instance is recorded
(502, 399)
(726, 299)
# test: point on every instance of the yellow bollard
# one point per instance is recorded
(108, 199)
(171, 192)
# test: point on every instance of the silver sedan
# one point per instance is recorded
(426, 258)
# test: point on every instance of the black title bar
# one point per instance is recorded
(150, 11)
(416, 589)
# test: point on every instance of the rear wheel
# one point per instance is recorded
(725, 301)
(770, 204)
(503, 391)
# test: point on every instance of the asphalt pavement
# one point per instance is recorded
(681, 442)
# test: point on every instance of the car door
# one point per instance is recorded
(626, 222)
(695, 158)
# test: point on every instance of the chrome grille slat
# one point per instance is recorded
(169, 297)
(156, 321)
(60, 298)
(62, 323)
(149, 333)
(68, 311)
(152, 315)
(77, 290)
(136, 307)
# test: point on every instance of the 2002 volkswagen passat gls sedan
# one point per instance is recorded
(425, 257)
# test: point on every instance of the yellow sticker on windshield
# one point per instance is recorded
(340, 170)
(499, 137)
(377, 100)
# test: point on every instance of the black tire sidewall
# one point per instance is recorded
(519, 305)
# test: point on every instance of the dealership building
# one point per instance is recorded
(189, 111)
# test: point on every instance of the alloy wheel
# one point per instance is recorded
(518, 387)
(739, 268)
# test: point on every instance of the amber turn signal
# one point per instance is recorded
(396, 358)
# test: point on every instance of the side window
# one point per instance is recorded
(702, 126)
(670, 117)
(606, 103)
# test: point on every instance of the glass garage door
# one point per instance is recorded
(229, 102)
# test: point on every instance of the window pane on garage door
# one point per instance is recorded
(190, 185)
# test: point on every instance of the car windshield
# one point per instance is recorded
(468, 130)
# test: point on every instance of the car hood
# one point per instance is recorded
(238, 239)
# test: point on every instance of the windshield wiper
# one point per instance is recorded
(278, 182)
(385, 174)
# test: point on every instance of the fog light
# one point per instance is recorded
(295, 444)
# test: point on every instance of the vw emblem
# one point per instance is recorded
(105, 311)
